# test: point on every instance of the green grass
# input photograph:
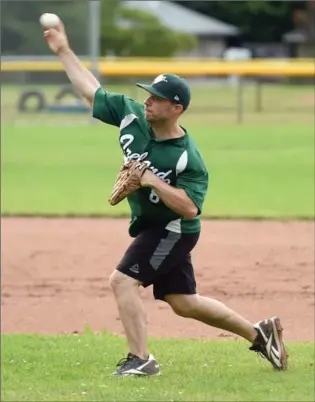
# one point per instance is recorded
(255, 172)
(211, 103)
(274, 97)
(79, 367)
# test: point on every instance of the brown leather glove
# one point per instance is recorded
(127, 181)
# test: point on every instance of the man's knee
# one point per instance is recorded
(183, 305)
(120, 282)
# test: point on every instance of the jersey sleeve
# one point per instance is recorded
(194, 180)
(111, 107)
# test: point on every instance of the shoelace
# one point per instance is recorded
(258, 348)
(124, 360)
(261, 355)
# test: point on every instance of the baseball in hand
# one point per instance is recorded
(48, 20)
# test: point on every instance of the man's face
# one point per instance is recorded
(159, 109)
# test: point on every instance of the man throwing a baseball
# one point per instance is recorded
(165, 182)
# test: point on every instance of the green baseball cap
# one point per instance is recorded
(171, 87)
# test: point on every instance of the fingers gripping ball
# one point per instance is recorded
(48, 20)
(127, 181)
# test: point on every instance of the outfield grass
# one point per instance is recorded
(212, 103)
(257, 172)
(273, 97)
(79, 367)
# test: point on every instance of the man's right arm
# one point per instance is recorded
(82, 79)
(107, 107)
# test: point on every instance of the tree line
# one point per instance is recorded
(131, 32)
(260, 21)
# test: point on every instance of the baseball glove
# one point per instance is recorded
(127, 181)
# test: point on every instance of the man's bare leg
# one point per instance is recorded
(132, 312)
(213, 313)
(265, 336)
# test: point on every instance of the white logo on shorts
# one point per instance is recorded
(135, 268)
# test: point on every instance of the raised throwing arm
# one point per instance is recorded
(82, 79)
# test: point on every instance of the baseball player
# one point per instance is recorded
(165, 181)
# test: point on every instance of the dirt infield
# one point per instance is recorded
(55, 275)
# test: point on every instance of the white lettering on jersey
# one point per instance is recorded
(126, 140)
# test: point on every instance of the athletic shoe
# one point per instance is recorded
(133, 365)
(269, 343)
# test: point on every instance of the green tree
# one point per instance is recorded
(132, 32)
(21, 33)
(124, 31)
(258, 21)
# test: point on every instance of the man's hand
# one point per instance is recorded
(127, 181)
(82, 79)
(57, 39)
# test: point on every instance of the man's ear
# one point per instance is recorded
(179, 109)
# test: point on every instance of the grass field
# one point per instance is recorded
(78, 368)
(262, 169)
(212, 103)
(254, 171)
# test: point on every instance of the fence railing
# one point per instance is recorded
(187, 67)
(223, 90)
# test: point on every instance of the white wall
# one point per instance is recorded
(207, 47)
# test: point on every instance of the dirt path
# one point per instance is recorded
(55, 275)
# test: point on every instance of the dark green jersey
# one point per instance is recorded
(176, 161)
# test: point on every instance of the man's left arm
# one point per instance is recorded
(186, 198)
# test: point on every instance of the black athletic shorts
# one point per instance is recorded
(162, 258)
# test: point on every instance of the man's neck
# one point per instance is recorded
(167, 130)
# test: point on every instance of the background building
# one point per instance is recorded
(211, 33)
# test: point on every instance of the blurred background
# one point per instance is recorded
(247, 61)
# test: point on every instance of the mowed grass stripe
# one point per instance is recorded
(255, 172)
(79, 367)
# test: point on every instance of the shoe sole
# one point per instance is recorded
(277, 331)
(136, 375)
